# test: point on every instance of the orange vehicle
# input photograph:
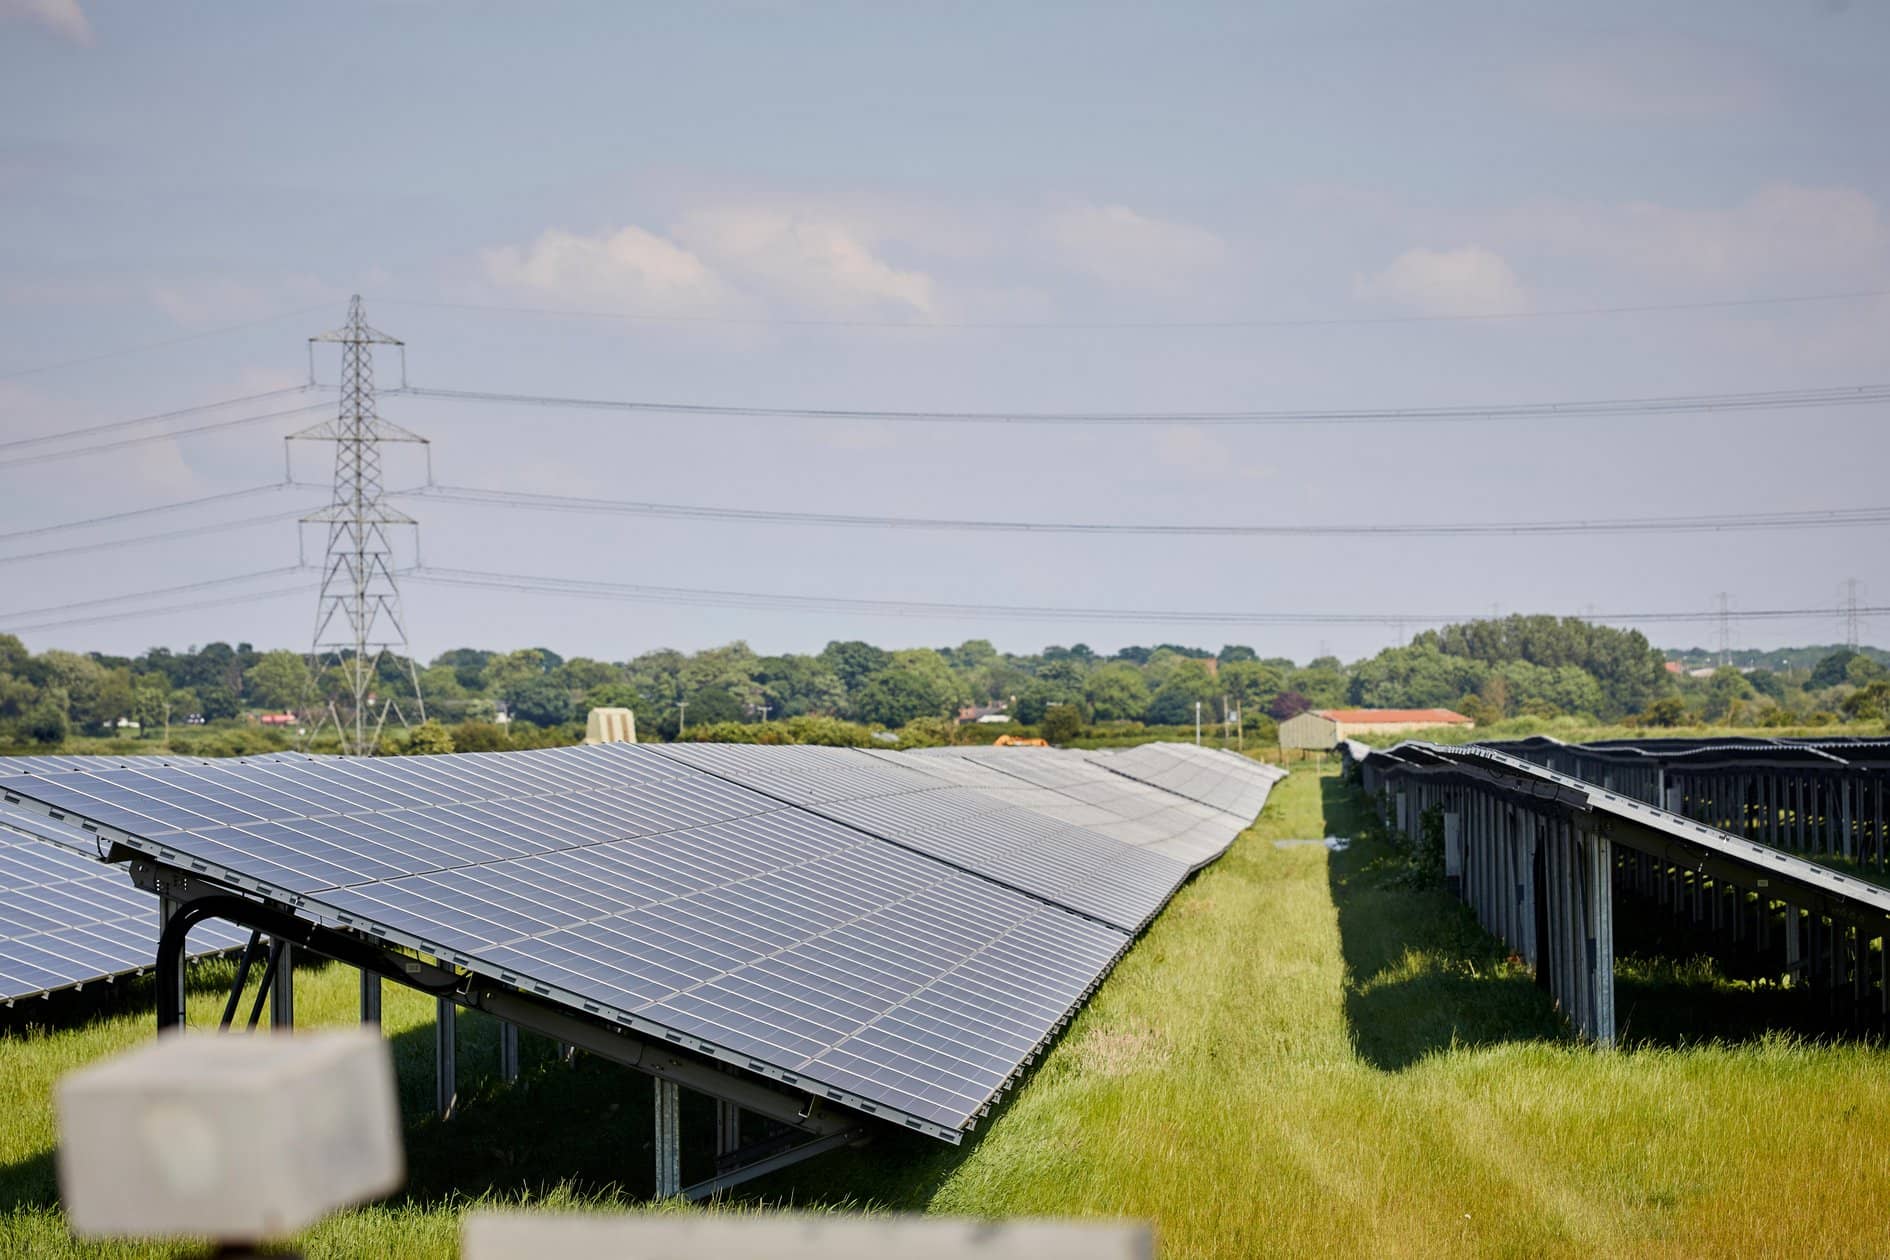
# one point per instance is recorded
(1018, 741)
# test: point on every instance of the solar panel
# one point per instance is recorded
(630, 884)
(1227, 781)
(1071, 866)
(68, 920)
(1132, 811)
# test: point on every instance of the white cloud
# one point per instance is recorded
(62, 17)
(628, 268)
(1468, 280)
(1116, 245)
(1783, 231)
(818, 260)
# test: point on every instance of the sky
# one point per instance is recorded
(971, 207)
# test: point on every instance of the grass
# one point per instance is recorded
(1304, 1056)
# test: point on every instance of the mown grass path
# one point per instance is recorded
(1303, 1056)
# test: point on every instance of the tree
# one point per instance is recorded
(1724, 693)
(896, 695)
(1062, 723)
(854, 662)
(428, 738)
(714, 704)
(1861, 671)
(278, 681)
(1116, 692)
(1870, 703)
(1251, 682)
(795, 685)
(1832, 670)
(1288, 704)
(542, 701)
(46, 723)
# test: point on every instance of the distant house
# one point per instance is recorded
(1324, 728)
(277, 719)
(1676, 667)
(984, 713)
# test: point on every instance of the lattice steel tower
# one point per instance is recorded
(358, 617)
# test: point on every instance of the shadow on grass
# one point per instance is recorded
(583, 1129)
(1422, 974)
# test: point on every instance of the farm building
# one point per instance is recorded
(1324, 728)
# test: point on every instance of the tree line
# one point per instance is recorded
(1517, 666)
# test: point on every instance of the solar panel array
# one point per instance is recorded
(1077, 789)
(1227, 781)
(852, 924)
(65, 920)
(1069, 865)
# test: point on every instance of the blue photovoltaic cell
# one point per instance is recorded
(1072, 866)
(67, 919)
(619, 877)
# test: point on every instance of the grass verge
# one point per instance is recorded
(1303, 1056)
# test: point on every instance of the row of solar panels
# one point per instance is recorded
(1839, 753)
(1381, 767)
(903, 931)
(66, 921)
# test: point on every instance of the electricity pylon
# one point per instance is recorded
(358, 618)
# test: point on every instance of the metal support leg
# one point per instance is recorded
(250, 953)
(728, 1128)
(282, 991)
(445, 1057)
(370, 998)
(508, 1051)
(668, 1139)
(171, 984)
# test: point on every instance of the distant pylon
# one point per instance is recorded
(1849, 613)
(358, 618)
(1723, 602)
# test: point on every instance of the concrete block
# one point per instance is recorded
(235, 1138)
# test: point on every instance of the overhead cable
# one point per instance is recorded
(114, 518)
(696, 597)
(1682, 404)
(159, 345)
(139, 540)
(162, 416)
(99, 448)
(29, 614)
(528, 501)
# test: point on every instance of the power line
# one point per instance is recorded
(180, 413)
(695, 597)
(1813, 519)
(155, 593)
(217, 426)
(139, 540)
(156, 345)
(115, 517)
(1642, 308)
(1683, 404)
(145, 614)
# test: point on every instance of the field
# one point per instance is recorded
(1305, 1055)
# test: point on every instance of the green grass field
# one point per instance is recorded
(1304, 1056)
